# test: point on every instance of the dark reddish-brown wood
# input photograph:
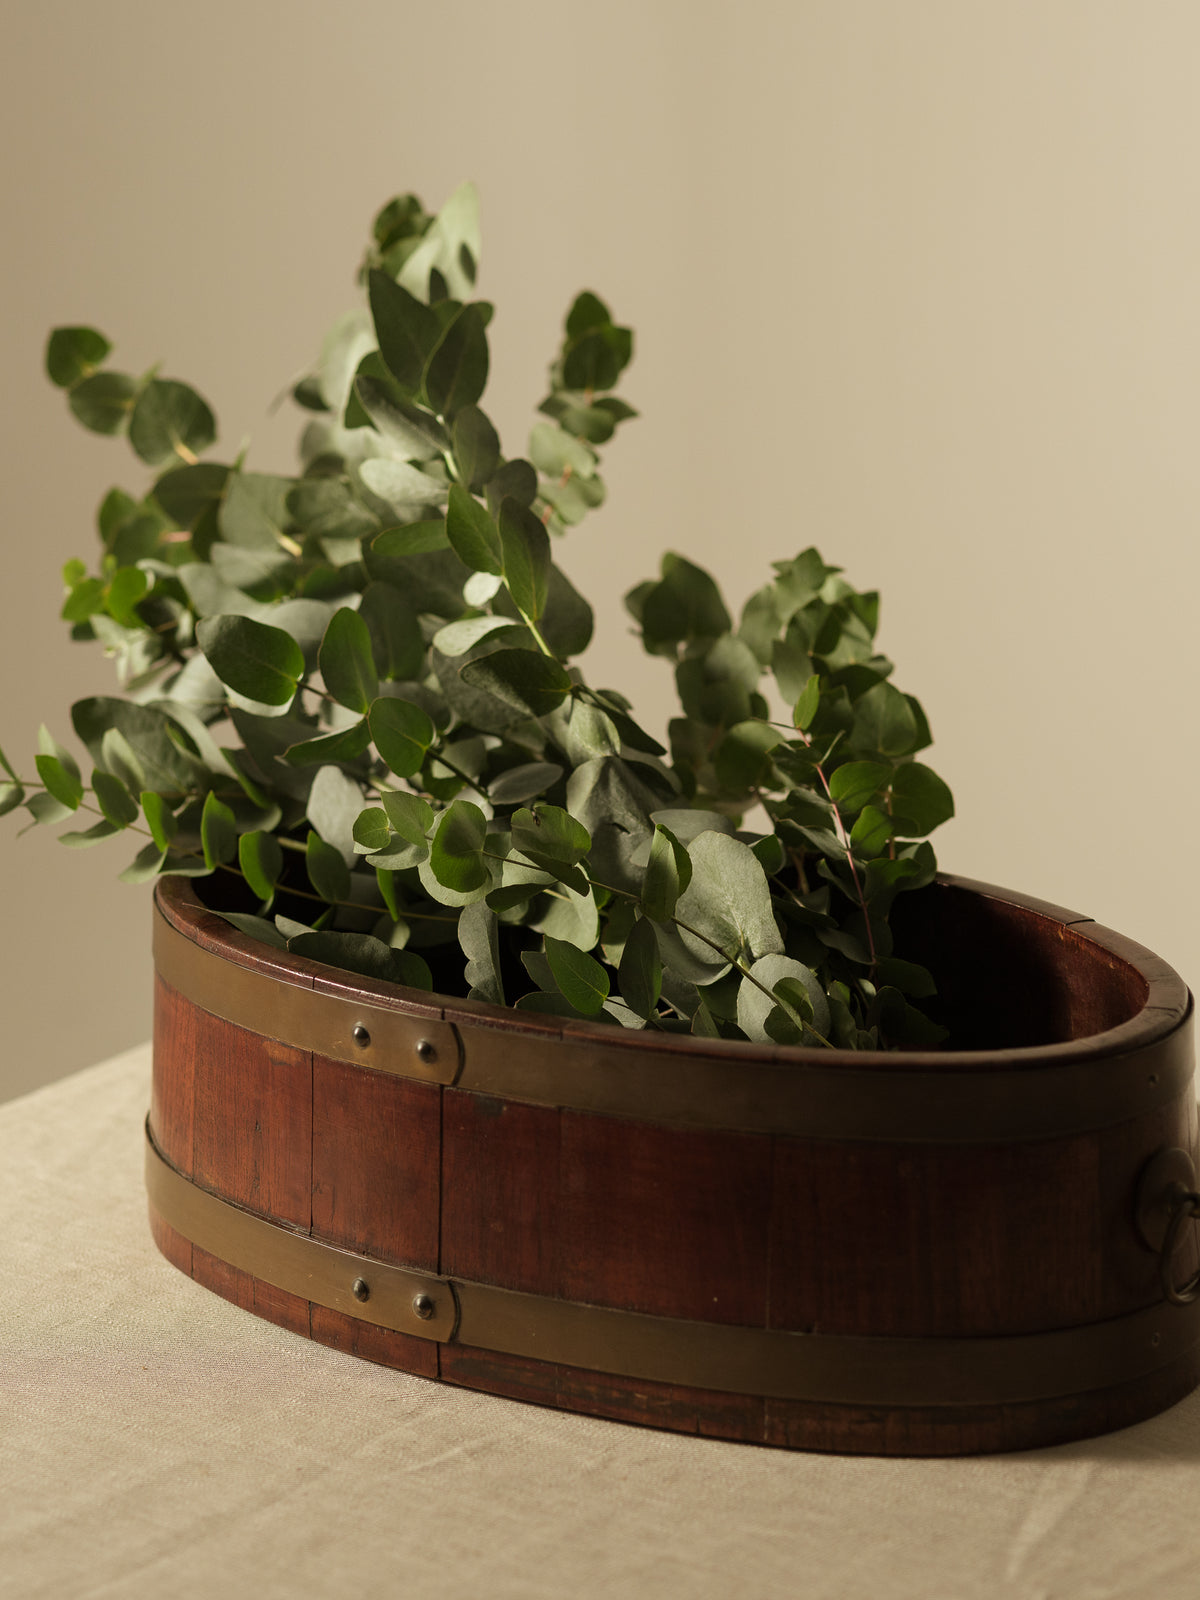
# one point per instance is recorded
(500, 1181)
(375, 1163)
(358, 1338)
(876, 1237)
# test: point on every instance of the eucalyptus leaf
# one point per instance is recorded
(582, 980)
(408, 814)
(476, 447)
(261, 662)
(347, 661)
(402, 733)
(472, 533)
(218, 833)
(640, 972)
(168, 420)
(525, 546)
(456, 373)
(456, 857)
(104, 401)
(523, 679)
(327, 869)
(73, 354)
(261, 860)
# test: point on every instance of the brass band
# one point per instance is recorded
(839, 1369)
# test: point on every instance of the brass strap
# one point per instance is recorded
(389, 1038)
(840, 1369)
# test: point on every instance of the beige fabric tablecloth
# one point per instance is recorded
(155, 1440)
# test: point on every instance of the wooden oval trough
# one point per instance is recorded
(929, 1253)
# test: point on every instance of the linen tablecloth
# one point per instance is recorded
(155, 1440)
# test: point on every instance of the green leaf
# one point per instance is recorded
(408, 814)
(472, 533)
(407, 330)
(597, 357)
(518, 479)
(476, 448)
(456, 372)
(186, 493)
(457, 638)
(58, 770)
(128, 586)
(103, 402)
(871, 831)
(170, 419)
(371, 831)
(8, 767)
(258, 661)
(260, 857)
(396, 641)
(920, 800)
(457, 853)
(776, 971)
(523, 679)
(640, 972)
(523, 782)
(555, 453)
(256, 927)
(334, 801)
(807, 704)
(856, 782)
(581, 979)
(72, 354)
(347, 663)
(728, 901)
(550, 833)
(525, 546)
(477, 934)
(668, 873)
(255, 514)
(11, 796)
(743, 758)
(345, 745)
(684, 605)
(413, 433)
(402, 733)
(46, 810)
(218, 832)
(405, 489)
(364, 954)
(327, 871)
(96, 834)
(114, 799)
(159, 819)
(387, 888)
(144, 866)
(588, 311)
(591, 732)
(884, 722)
(84, 600)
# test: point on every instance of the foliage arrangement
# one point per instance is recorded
(351, 697)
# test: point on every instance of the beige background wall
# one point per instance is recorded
(916, 280)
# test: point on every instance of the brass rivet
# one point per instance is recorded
(424, 1307)
(361, 1036)
(360, 1289)
(426, 1051)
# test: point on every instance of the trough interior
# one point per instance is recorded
(1008, 976)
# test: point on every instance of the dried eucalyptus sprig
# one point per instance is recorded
(349, 697)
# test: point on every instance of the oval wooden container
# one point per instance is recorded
(906, 1254)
